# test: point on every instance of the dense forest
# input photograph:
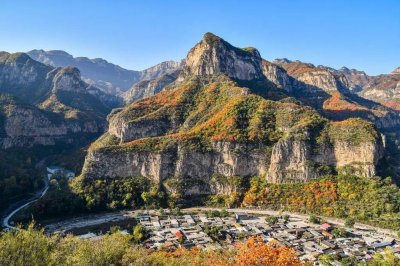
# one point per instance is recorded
(369, 200)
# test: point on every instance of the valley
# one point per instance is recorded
(222, 131)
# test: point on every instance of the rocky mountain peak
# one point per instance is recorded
(68, 79)
(396, 71)
(282, 61)
(213, 55)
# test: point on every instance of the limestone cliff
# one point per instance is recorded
(294, 160)
(195, 167)
(213, 55)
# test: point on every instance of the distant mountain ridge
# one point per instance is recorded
(108, 77)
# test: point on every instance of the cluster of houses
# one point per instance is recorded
(308, 240)
(58, 172)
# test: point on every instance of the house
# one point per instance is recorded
(69, 174)
(327, 234)
(382, 244)
(241, 216)
(326, 226)
(143, 217)
(60, 172)
(54, 169)
(179, 235)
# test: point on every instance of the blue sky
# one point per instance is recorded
(137, 34)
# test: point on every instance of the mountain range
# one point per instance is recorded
(98, 72)
(222, 111)
(231, 113)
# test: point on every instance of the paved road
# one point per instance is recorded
(87, 220)
(79, 222)
(7, 219)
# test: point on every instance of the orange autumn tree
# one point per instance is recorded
(254, 252)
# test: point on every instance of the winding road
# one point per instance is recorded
(39, 195)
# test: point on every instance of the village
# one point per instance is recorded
(221, 230)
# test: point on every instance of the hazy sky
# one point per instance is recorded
(137, 34)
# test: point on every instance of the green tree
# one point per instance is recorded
(271, 220)
(107, 251)
(212, 232)
(339, 232)
(387, 258)
(314, 219)
(286, 218)
(139, 234)
(326, 259)
(176, 211)
(115, 229)
(224, 213)
(349, 222)
(26, 247)
(146, 197)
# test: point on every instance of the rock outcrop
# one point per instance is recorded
(315, 77)
(383, 88)
(213, 55)
(147, 88)
(159, 70)
(278, 76)
(356, 79)
(294, 160)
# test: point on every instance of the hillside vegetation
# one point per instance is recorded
(33, 247)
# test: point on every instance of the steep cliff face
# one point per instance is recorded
(67, 79)
(213, 55)
(278, 76)
(195, 168)
(294, 160)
